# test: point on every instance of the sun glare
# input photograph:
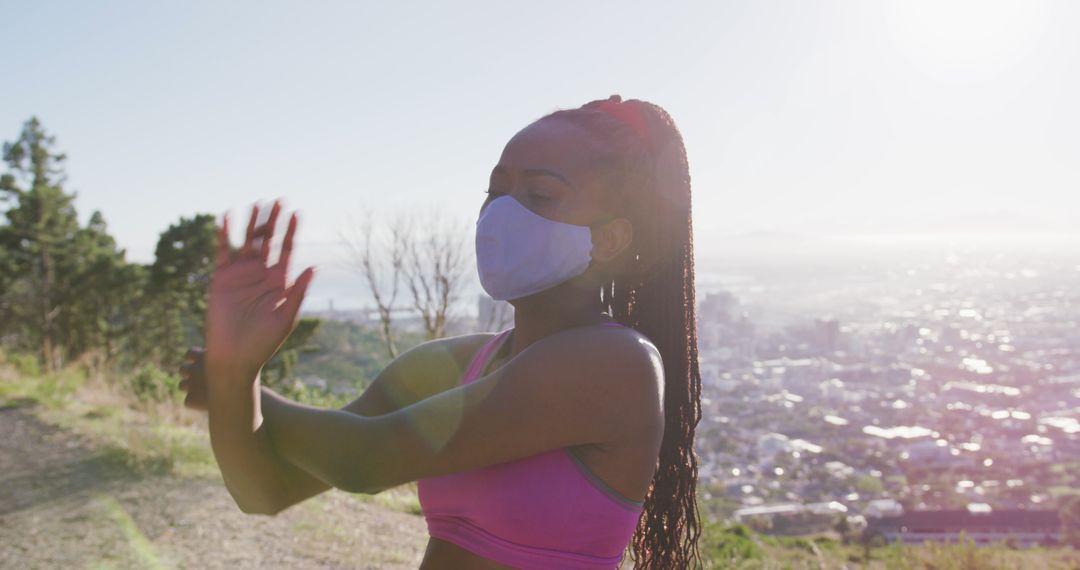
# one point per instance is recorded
(966, 40)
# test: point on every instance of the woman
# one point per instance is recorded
(569, 435)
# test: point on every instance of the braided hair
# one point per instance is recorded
(651, 288)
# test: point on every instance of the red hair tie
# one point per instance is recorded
(629, 113)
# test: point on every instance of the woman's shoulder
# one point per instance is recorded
(420, 372)
(615, 339)
(622, 351)
(460, 348)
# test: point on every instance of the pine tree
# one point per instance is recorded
(101, 291)
(178, 281)
(61, 284)
(38, 239)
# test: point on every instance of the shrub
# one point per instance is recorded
(961, 555)
(25, 364)
(727, 546)
(827, 543)
(310, 395)
(150, 384)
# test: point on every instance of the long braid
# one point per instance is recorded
(653, 292)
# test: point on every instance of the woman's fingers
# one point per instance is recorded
(287, 246)
(258, 237)
(267, 231)
(249, 235)
(260, 231)
(294, 296)
(223, 247)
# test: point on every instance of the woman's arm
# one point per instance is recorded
(261, 481)
(276, 483)
(569, 389)
(251, 310)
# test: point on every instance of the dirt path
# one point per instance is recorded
(64, 504)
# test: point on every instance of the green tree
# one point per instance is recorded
(177, 286)
(130, 313)
(99, 292)
(281, 367)
(40, 237)
(59, 283)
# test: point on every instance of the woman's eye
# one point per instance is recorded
(534, 197)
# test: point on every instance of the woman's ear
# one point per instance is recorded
(610, 239)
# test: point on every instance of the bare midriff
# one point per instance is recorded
(442, 554)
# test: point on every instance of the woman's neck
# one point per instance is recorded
(561, 308)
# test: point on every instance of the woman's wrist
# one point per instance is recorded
(233, 396)
(230, 374)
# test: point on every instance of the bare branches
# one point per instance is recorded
(494, 315)
(425, 255)
(435, 269)
(381, 261)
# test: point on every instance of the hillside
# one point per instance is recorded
(92, 477)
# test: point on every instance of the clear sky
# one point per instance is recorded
(819, 118)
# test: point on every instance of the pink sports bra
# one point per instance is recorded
(541, 512)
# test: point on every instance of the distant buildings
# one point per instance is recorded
(792, 518)
(883, 508)
(978, 523)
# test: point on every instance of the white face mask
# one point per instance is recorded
(519, 253)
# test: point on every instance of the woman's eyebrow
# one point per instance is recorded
(499, 169)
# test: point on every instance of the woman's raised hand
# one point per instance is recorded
(252, 309)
